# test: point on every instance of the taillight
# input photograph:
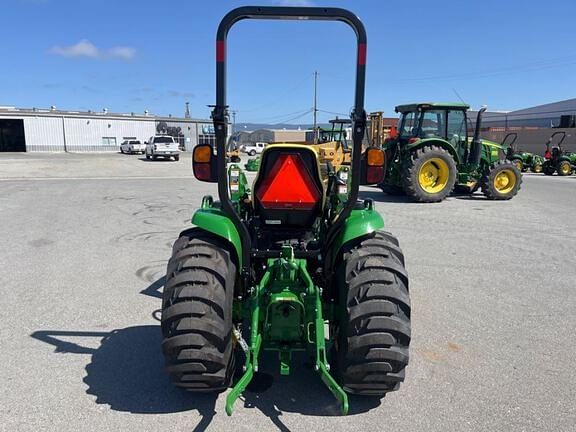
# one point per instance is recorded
(375, 162)
(203, 172)
(288, 185)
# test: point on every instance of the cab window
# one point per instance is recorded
(407, 124)
(457, 127)
(433, 124)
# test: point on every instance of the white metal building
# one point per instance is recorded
(53, 130)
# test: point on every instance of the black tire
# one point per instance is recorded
(488, 181)
(177, 158)
(197, 313)
(519, 164)
(391, 190)
(373, 335)
(147, 156)
(411, 171)
(154, 157)
(252, 153)
(564, 168)
(548, 169)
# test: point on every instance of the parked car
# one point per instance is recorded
(254, 148)
(132, 146)
(162, 146)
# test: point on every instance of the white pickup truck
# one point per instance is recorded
(253, 148)
(162, 146)
(132, 146)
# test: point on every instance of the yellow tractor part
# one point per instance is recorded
(505, 181)
(433, 175)
(565, 168)
(518, 164)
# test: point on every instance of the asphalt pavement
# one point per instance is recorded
(85, 240)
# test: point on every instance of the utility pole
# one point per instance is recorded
(315, 109)
(187, 112)
(233, 112)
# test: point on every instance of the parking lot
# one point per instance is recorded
(85, 241)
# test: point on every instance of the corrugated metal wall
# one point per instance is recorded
(93, 134)
(43, 134)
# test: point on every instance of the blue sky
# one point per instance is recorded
(136, 55)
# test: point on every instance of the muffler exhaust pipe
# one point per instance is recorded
(476, 149)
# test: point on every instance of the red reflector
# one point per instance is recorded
(288, 185)
(202, 171)
(374, 174)
(220, 51)
(362, 54)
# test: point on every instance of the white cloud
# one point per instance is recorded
(85, 48)
(122, 52)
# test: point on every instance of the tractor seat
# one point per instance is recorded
(288, 191)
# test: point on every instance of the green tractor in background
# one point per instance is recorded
(252, 165)
(524, 161)
(557, 159)
(293, 262)
(432, 154)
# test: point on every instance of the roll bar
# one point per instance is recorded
(220, 111)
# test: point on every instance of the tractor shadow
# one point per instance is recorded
(126, 371)
(301, 392)
(380, 196)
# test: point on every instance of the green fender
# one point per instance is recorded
(215, 221)
(358, 224)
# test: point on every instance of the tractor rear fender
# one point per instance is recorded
(214, 220)
(359, 224)
(435, 142)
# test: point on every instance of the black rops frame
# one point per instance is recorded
(220, 114)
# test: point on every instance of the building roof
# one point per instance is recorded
(52, 112)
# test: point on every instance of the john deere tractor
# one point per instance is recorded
(432, 154)
(293, 262)
(557, 159)
(524, 161)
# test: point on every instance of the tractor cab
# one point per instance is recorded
(433, 120)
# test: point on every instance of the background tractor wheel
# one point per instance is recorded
(519, 164)
(536, 168)
(429, 175)
(373, 334)
(564, 168)
(502, 181)
(197, 313)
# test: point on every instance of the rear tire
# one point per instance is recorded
(177, 158)
(548, 169)
(564, 168)
(418, 179)
(197, 313)
(502, 181)
(374, 329)
(536, 168)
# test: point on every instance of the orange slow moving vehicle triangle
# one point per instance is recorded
(288, 185)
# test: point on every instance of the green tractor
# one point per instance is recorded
(557, 159)
(294, 262)
(252, 164)
(524, 161)
(432, 154)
